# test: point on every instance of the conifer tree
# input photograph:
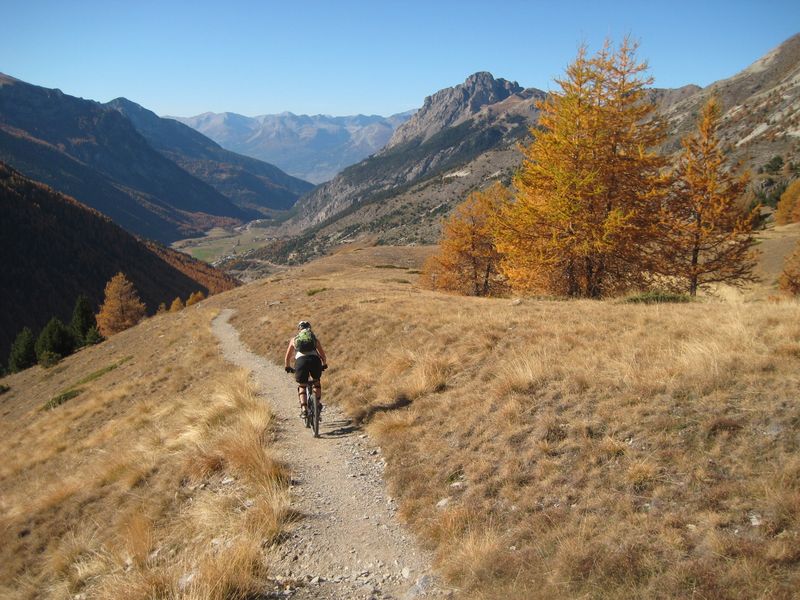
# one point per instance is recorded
(588, 192)
(790, 278)
(82, 319)
(468, 261)
(707, 236)
(121, 308)
(176, 305)
(54, 342)
(788, 209)
(93, 337)
(195, 297)
(23, 351)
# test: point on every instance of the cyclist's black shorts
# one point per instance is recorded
(310, 364)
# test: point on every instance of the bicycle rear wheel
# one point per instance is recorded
(308, 418)
(313, 407)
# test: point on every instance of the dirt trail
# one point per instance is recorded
(349, 543)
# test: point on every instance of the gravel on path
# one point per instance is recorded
(349, 543)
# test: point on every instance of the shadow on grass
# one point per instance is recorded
(341, 428)
(400, 402)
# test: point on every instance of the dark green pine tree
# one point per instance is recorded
(82, 320)
(54, 343)
(23, 352)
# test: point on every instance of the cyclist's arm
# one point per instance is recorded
(289, 353)
(321, 353)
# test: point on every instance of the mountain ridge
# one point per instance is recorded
(250, 183)
(313, 147)
(94, 152)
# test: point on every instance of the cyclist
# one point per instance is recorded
(309, 359)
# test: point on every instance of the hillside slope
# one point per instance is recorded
(453, 127)
(249, 183)
(563, 449)
(139, 468)
(55, 248)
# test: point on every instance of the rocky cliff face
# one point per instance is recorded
(453, 127)
(761, 108)
(453, 105)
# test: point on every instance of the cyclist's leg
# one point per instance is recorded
(315, 369)
(301, 377)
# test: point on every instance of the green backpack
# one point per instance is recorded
(305, 341)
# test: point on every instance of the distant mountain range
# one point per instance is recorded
(466, 136)
(314, 148)
(55, 248)
(154, 177)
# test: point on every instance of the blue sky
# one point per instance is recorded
(347, 57)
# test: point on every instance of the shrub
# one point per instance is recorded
(55, 342)
(49, 359)
(61, 398)
(23, 351)
(657, 297)
(93, 337)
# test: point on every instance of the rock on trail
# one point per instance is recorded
(349, 543)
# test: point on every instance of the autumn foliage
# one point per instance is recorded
(589, 189)
(594, 210)
(790, 278)
(468, 261)
(121, 308)
(788, 209)
(176, 305)
(707, 236)
(194, 298)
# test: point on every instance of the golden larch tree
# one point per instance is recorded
(468, 261)
(707, 234)
(121, 308)
(788, 209)
(176, 305)
(789, 280)
(587, 195)
(195, 297)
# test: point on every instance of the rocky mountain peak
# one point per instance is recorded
(450, 106)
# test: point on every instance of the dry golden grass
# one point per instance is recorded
(588, 449)
(155, 482)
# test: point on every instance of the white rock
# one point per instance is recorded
(185, 580)
(443, 503)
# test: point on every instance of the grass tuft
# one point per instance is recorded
(61, 398)
(658, 297)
